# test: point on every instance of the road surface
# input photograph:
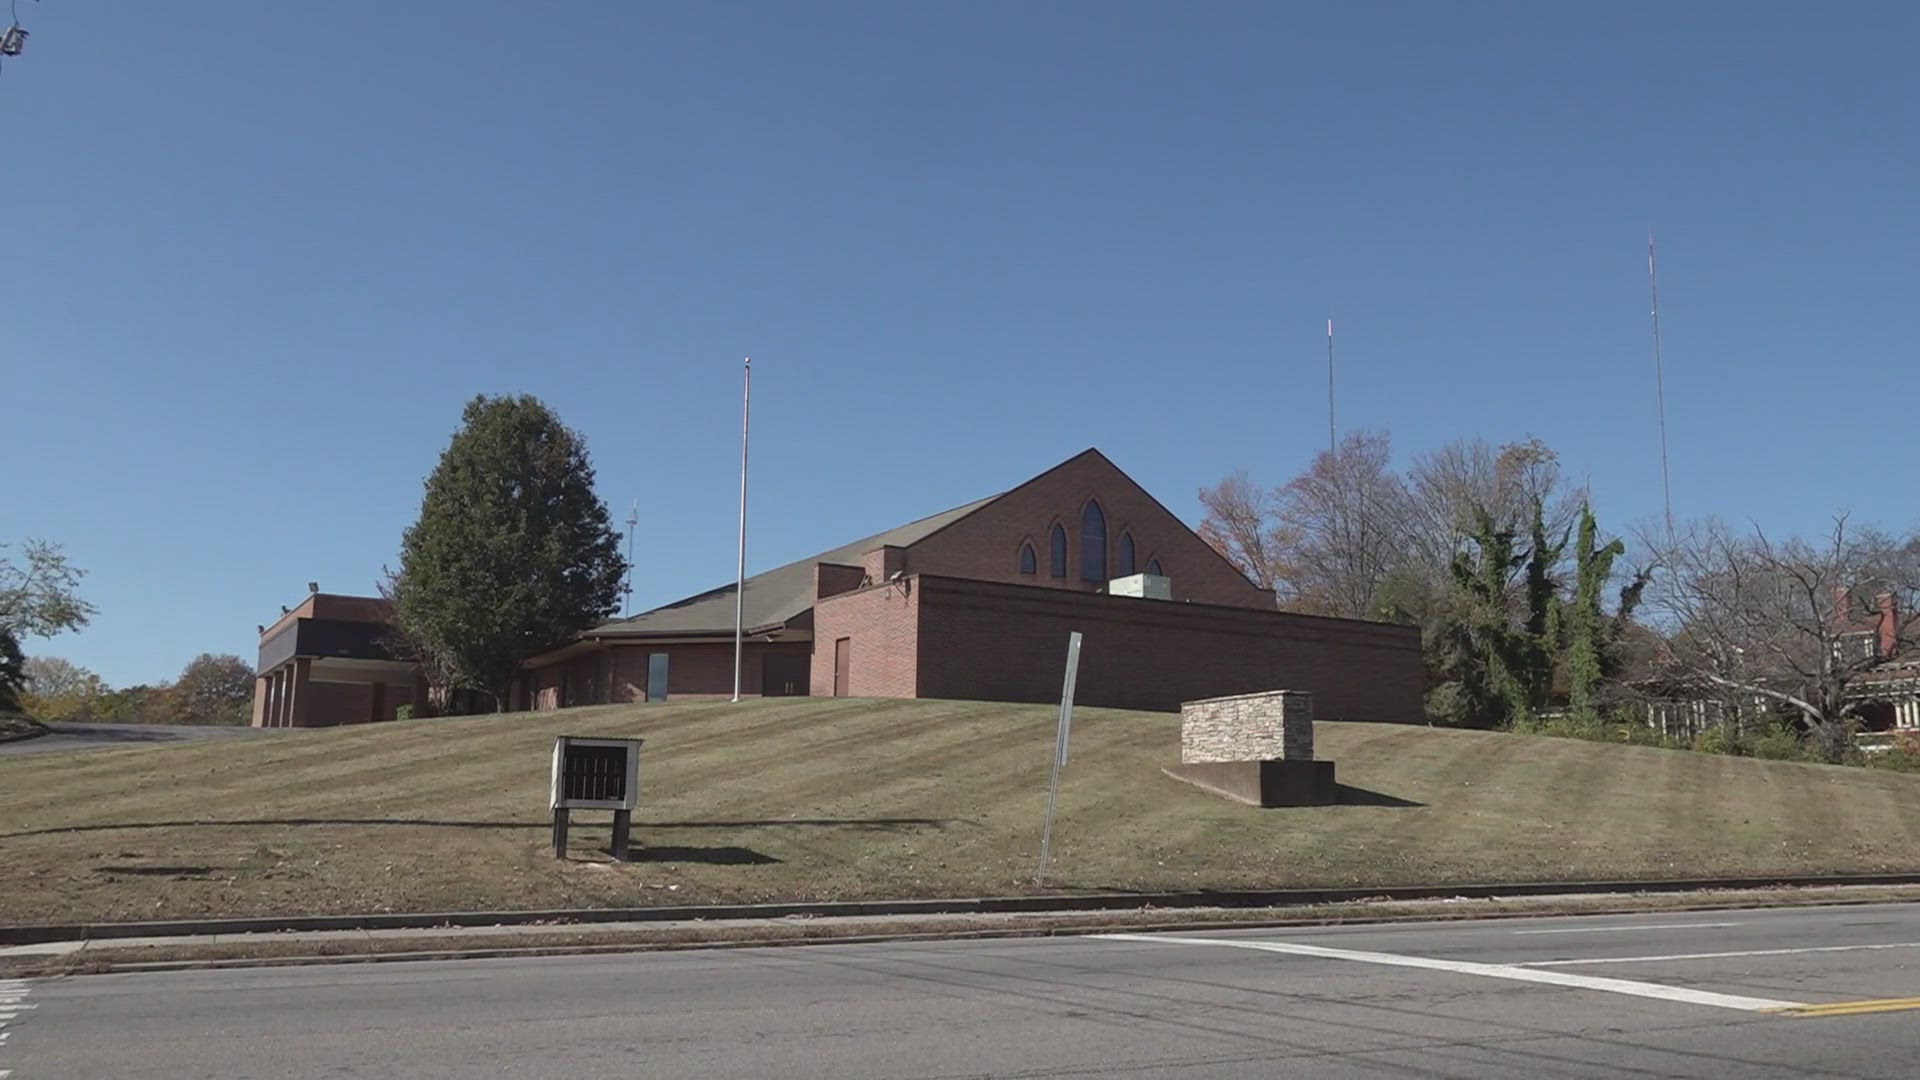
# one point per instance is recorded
(1672, 995)
(98, 736)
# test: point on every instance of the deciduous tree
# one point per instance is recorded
(1802, 625)
(59, 690)
(212, 690)
(39, 597)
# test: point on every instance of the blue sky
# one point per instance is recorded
(256, 255)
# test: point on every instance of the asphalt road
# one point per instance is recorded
(1673, 996)
(100, 736)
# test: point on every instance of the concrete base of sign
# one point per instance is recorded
(1262, 783)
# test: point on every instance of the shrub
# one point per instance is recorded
(404, 712)
(1716, 740)
(1779, 742)
(1902, 756)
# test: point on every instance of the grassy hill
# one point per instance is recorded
(824, 798)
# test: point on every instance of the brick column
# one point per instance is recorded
(276, 696)
(261, 685)
(299, 702)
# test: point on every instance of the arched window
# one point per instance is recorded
(1028, 565)
(1154, 569)
(1057, 561)
(1093, 543)
(1126, 567)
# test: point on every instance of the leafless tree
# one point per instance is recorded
(1347, 517)
(1802, 625)
(1449, 485)
(1240, 526)
(1349, 532)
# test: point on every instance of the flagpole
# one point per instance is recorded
(740, 577)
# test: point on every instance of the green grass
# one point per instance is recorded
(857, 798)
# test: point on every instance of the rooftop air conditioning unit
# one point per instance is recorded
(1145, 586)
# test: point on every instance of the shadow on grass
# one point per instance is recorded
(716, 856)
(857, 824)
(1348, 795)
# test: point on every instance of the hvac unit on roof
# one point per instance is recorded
(1145, 586)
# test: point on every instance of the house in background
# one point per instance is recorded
(977, 602)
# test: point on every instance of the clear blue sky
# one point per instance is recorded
(256, 255)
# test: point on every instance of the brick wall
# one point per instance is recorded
(881, 623)
(1008, 643)
(1273, 726)
(330, 703)
(985, 545)
(703, 670)
(832, 579)
(883, 562)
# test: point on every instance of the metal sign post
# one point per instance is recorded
(1059, 752)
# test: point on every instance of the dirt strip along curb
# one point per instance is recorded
(28, 935)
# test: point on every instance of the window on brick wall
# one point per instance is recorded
(1154, 569)
(1057, 558)
(1028, 564)
(1093, 543)
(1125, 557)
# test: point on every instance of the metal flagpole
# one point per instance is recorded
(740, 577)
(633, 522)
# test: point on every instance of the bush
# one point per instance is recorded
(1902, 756)
(1779, 742)
(1716, 740)
(404, 712)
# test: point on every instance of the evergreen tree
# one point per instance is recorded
(13, 672)
(513, 552)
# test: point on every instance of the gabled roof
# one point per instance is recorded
(774, 597)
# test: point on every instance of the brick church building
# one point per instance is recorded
(977, 603)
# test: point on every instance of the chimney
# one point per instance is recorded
(1889, 620)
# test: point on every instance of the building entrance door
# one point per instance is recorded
(841, 648)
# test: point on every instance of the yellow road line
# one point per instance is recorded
(1854, 1008)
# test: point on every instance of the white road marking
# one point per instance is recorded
(1628, 929)
(1492, 971)
(13, 1001)
(1718, 955)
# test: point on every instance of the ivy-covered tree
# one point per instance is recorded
(513, 552)
(1591, 636)
(1492, 644)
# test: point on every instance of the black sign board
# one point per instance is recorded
(595, 774)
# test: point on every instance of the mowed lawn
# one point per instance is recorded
(836, 799)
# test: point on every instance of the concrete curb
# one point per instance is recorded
(30, 935)
(499, 952)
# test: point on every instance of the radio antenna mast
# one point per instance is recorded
(1332, 442)
(1660, 380)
